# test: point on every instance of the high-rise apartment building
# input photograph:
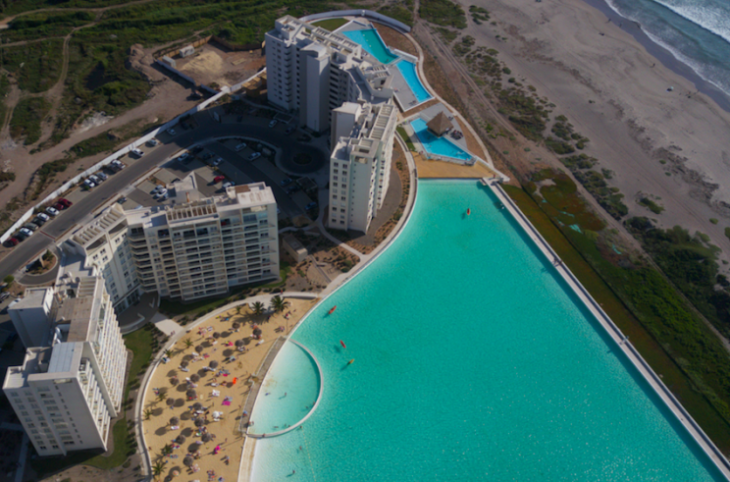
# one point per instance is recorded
(312, 70)
(66, 392)
(360, 163)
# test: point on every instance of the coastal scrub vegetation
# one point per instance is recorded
(443, 12)
(45, 24)
(479, 14)
(27, 118)
(402, 13)
(35, 66)
(651, 205)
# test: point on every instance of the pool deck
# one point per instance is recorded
(433, 111)
(622, 341)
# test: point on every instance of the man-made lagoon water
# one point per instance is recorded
(472, 361)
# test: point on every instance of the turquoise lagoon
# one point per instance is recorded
(372, 43)
(473, 361)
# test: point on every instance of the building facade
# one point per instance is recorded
(66, 392)
(32, 314)
(360, 163)
(312, 70)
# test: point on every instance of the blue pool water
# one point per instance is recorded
(291, 392)
(372, 43)
(437, 145)
(473, 361)
(408, 69)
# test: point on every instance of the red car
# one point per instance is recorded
(218, 179)
(9, 243)
(65, 202)
(60, 206)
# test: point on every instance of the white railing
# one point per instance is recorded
(369, 14)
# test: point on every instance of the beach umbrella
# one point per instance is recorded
(170, 402)
(194, 447)
(240, 343)
(199, 348)
(173, 381)
(236, 325)
(184, 364)
(216, 335)
(197, 406)
(179, 402)
(188, 461)
(174, 421)
(175, 472)
(213, 364)
(199, 422)
(257, 332)
(180, 439)
(206, 437)
(192, 394)
(195, 377)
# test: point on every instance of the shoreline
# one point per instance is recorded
(663, 55)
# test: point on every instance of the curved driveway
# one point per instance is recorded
(250, 127)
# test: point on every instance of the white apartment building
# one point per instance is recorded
(201, 248)
(32, 315)
(312, 70)
(198, 247)
(66, 393)
(360, 163)
(104, 243)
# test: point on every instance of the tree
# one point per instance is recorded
(147, 413)
(157, 469)
(279, 304)
(238, 310)
(168, 353)
(166, 450)
(258, 308)
(188, 342)
(161, 397)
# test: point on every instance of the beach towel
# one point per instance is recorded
(226, 402)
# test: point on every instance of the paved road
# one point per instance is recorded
(251, 127)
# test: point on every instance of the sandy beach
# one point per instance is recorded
(170, 380)
(596, 72)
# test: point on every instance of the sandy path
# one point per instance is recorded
(572, 55)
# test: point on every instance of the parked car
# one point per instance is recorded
(89, 184)
(38, 221)
(152, 142)
(286, 182)
(217, 161)
(95, 179)
(311, 205)
(241, 146)
(9, 243)
(101, 176)
(158, 189)
(25, 231)
(42, 216)
(65, 202)
(254, 156)
(122, 200)
(52, 211)
(183, 156)
(117, 165)
(273, 123)
(31, 227)
(137, 152)
(161, 193)
(58, 207)
(218, 179)
(21, 236)
(228, 184)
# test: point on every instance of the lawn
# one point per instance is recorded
(330, 24)
(404, 135)
(661, 349)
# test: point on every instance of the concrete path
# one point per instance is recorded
(166, 325)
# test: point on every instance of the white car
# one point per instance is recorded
(254, 156)
(52, 211)
(101, 176)
(152, 142)
(26, 231)
(273, 123)
(161, 194)
(89, 184)
(228, 184)
(217, 161)
(183, 156)
(95, 179)
(43, 216)
(137, 152)
(117, 165)
(159, 188)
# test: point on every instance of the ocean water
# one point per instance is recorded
(472, 361)
(696, 32)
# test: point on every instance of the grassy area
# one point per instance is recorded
(647, 309)
(443, 12)
(36, 66)
(27, 118)
(4, 90)
(479, 14)
(404, 135)
(202, 307)
(651, 205)
(45, 24)
(399, 12)
(330, 24)
(140, 343)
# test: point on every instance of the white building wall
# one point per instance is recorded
(32, 323)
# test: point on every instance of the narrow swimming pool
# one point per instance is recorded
(437, 145)
(372, 43)
(408, 70)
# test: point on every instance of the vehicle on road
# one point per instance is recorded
(26, 232)
(241, 146)
(89, 184)
(152, 142)
(228, 184)
(273, 123)
(95, 179)
(290, 129)
(31, 226)
(9, 243)
(65, 202)
(117, 165)
(254, 156)
(58, 207)
(311, 205)
(218, 179)
(21, 236)
(42, 216)
(52, 211)
(101, 176)
(39, 221)
(286, 182)
(137, 152)
(171, 131)
(217, 161)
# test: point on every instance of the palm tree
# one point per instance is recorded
(238, 310)
(188, 342)
(161, 397)
(258, 308)
(147, 413)
(167, 450)
(168, 353)
(157, 469)
(279, 304)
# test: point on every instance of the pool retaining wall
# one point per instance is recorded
(615, 333)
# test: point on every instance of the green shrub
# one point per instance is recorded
(27, 118)
(443, 12)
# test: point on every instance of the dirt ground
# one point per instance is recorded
(395, 39)
(213, 63)
(440, 169)
(169, 379)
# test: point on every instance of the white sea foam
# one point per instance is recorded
(708, 14)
